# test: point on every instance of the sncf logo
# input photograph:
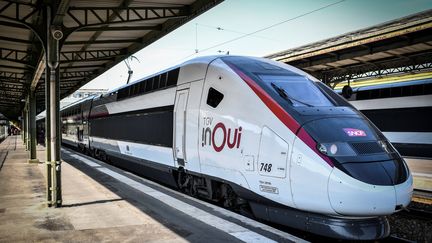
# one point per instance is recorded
(352, 132)
(230, 137)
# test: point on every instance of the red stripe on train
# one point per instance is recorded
(281, 114)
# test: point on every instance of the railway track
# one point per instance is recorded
(422, 193)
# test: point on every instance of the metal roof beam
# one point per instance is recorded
(81, 66)
(12, 88)
(93, 55)
(10, 93)
(11, 98)
(418, 62)
(8, 104)
(14, 67)
(13, 83)
(14, 25)
(96, 16)
(17, 14)
(122, 28)
(9, 59)
(64, 75)
(3, 38)
(91, 59)
(362, 50)
(110, 41)
(6, 74)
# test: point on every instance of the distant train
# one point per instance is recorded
(4, 129)
(402, 110)
(254, 135)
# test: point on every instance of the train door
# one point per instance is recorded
(180, 126)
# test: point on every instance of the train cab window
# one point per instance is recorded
(297, 90)
(214, 97)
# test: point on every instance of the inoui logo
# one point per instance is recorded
(229, 137)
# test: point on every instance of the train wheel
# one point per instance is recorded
(229, 198)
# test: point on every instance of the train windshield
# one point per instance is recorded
(297, 90)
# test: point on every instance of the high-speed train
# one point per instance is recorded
(4, 129)
(251, 134)
(401, 110)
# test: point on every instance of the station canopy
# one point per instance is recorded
(397, 47)
(96, 35)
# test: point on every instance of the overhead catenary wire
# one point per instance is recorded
(273, 25)
(257, 31)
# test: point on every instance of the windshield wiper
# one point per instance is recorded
(284, 95)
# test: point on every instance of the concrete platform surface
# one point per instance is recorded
(102, 203)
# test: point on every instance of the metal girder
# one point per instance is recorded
(97, 16)
(415, 62)
(18, 14)
(362, 50)
(80, 67)
(15, 84)
(17, 56)
(11, 87)
(14, 25)
(110, 41)
(122, 28)
(13, 75)
(10, 93)
(76, 74)
(93, 55)
(5, 104)
(15, 67)
(11, 98)
(15, 40)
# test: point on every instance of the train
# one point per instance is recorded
(255, 136)
(4, 129)
(401, 111)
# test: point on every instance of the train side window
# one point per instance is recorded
(214, 97)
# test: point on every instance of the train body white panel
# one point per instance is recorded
(272, 164)
(152, 153)
(391, 103)
(227, 162)
(352, 197)
(240, 144)
(309, 177)
(192, 130)
(70, 140)
(192, 72)
(158, 154)
(404, 192)
(104, 144)
(156, 99)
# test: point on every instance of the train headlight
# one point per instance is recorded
(336, 149)
(333, 149)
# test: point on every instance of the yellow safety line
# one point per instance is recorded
(422, 200)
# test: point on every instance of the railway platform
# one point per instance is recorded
(105, 204)
(421, 170)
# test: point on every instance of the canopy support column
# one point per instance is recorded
(32, 128)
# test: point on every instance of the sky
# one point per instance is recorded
(285, 24)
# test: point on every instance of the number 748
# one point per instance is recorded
(266, 167)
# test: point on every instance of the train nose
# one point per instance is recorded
(382, 173)
(365, 189)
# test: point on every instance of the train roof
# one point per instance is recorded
(198, 60)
